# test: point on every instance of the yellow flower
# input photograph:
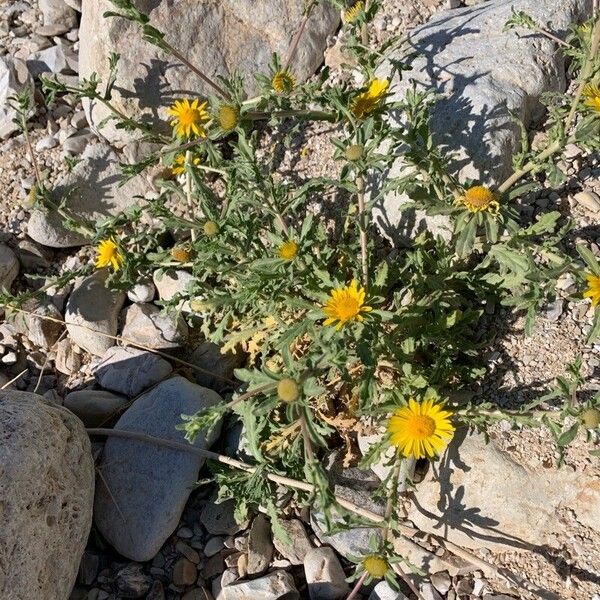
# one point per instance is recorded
(420, 429)
(352, 13)
(480, 198)
(108, 255)
(345, 305)
(375, 566)
(366, 102)
(229, 117)
(288, 250)
(283, 82)
(181, 254)
(593, 290)
(591, 93)
(178, 167)
(188, 118)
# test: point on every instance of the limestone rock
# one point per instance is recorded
(278, 585)
(471, 497)
(260, 546)
(217, 37)
(147, 325)
(324, 575)
(90, 191)
(297, 545)
(9, 266)
(58, 13)
(96, 408)
(483, 73)
(129, 371)
(93, 310)
(149, 484)
(14, 78)
(46, 497)
(33, 324)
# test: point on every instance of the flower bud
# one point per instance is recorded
(591, 418)
(210, 228)
(287, 390)
(354, 152)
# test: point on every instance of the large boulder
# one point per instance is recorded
(14, 78)
(46, 497)
(90, 191)
(144, 487)
(217, 37)
(483, 73)
(478, 496)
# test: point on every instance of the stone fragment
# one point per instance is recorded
(147, 325)
(132, 582)
(260, 546)
(35, 323)
(129, 371)
(59, 14)
(14, 78)
(142, 292)
(9, 267)
(324, 575)
(184, 572)
(589, 200)
(278, 585)
(96, 408)
(297, 545)
(46, 497)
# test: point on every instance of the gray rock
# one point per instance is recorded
(96, 408)
(76, 144)
(383, 591)
(144, 487)
(218, 519)
(324, 575)
(53, 60)
(9, 267)
(39, 330)
(428, 592)
(472, 497)
(14, 78)
(32, 255)
(67, 361)
(132, 582)
(46, 497)
(246, 34)
(172, 283)
(74, 4)
(278, 585)
(147, 325)
(297, 545)
(46, 143)
(93, 310)
(589, 200)
(90, 191)
(217, 368)
(260, 546)
(58, 14)
(483, 73)
(142, 292)
(213, 546)
(129, 371)
(554, 310)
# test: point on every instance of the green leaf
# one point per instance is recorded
(568, 436)
(589, 259)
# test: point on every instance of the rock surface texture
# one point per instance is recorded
(91, 191)
(14, 78)
(482, 498)
(482, 73)
(46, 497)
(150, 484)
(217, 37)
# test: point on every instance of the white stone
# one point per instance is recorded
(324, 575)
(14, 78)
(589, 200)
(147, 325)
(46, 497)
(59, 14)
(9, 267)
(278, 585)
(92, 314)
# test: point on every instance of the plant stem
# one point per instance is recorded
(552, 37)
(296, 40)
(316, 115)
(177, 54)
(408, 581)
(362, 224)
(38, 175)
(188, 189)
(364, 32)
(126, 341)
(586, 72)
(357, 587)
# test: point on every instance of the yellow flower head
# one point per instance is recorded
(352, 13)
(366, 102)
(229, 117)
(108, 255)
(420, 429)
(181, 254)
(593, 289)
(178, 167)
(288, 250)
(591, 94)
(375, 566)
(188, 118)
(283, 82)
(345, 305)
(480, 198)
